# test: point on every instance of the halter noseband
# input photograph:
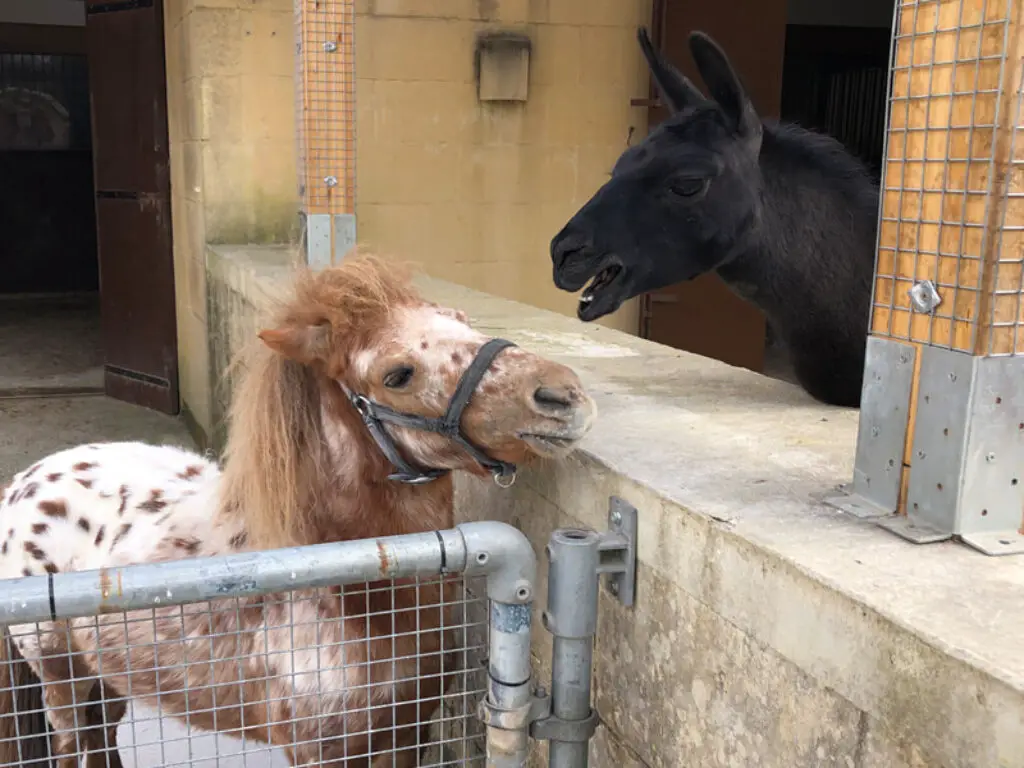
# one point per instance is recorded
(376, 415)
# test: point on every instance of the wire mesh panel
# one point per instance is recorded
(941, 426)
(325, 84)
(952, 212)
(384, 672)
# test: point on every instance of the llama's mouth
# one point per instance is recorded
(597, 300)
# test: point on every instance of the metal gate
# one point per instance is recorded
(486, 709)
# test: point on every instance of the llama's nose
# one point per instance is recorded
(566, 243)
(553, 400)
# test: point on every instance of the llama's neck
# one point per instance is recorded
(816, 234)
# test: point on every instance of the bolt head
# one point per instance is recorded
(614, 587)
(330, 46)
(616, 517)
(990, 457)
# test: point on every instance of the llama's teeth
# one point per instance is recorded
(586, 299)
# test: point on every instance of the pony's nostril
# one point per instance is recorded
(552, 399)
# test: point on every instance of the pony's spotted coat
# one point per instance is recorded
(83, 494)
(300, 670)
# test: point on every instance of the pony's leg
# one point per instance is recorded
(104, 714)
(66, 687)
(24, 728)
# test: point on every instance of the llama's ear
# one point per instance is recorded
(724, 85)
(674, 86)
(301, 343)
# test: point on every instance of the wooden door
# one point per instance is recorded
(127, 82)
(703, 316)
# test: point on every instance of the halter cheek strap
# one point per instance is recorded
(375, 416)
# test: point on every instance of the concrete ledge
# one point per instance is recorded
(769, 629)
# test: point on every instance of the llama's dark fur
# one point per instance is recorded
(787, 218)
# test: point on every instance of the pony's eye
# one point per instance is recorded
(398, 377)
(687, 187)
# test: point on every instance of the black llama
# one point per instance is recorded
(785, 216)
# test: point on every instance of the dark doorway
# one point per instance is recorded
(49, 271)
(87, 286)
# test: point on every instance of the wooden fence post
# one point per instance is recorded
(325, 87)
(940, 450)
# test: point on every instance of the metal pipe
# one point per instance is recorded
(571, 618)
(176, 582)
(509, 686)
(506, 556)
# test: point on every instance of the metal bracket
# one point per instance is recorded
(547, 727)
(882, 432)
(537, 716)
(514, 719)
(618, 550)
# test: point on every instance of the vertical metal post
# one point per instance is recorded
(509, 687)
(571, 618)
(507, 557)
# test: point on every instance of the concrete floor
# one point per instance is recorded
(50, 343)
(33, 427)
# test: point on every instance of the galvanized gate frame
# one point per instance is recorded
(514, 709)
(493, 550)
(577, 559)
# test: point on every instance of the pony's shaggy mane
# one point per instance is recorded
(275, 461)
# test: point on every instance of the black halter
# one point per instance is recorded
(375, 415)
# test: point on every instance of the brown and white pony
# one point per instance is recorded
(333, 436)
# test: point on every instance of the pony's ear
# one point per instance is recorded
(724, 85)
(674, 86)
(301, 343)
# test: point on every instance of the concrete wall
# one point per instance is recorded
(230, 91)
(475, 191)
(769, 629)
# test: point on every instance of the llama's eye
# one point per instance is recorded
(687, 187)
(398, 377)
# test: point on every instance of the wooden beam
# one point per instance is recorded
(326, 105)
(953, 183)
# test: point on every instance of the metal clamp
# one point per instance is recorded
(518, 719)
(618, 550)
(536, 716)
(546, 727)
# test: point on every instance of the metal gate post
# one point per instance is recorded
(507, 558)
(577, 559)
(571, 618)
